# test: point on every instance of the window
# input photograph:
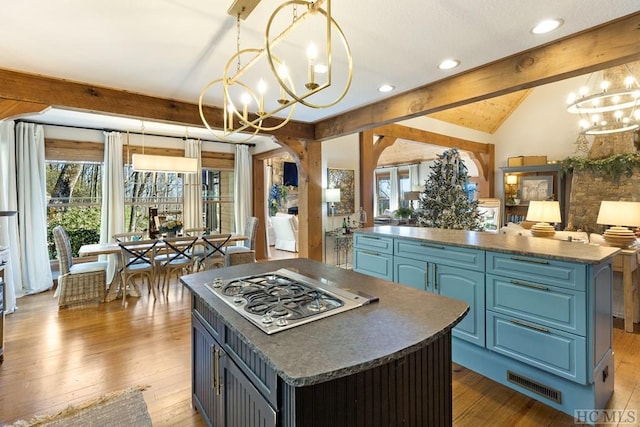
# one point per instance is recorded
(74, 199)
(217, 200)
(384, 192)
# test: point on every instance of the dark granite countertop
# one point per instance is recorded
(521, 245)
(404, 320)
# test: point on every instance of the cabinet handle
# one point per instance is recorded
(370, 253)
(530, 326)
(529, 285)
(435, 276)
(535, 261)
(427, 245)
(218, 382)
(371, 237)
(427, 278)
(213, 367)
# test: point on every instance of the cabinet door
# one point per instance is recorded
(244, 405)
(467, 286)
(411, 272)
(203, 354)
(374, 264)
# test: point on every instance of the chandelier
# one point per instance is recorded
(608, 103)
(280, 81)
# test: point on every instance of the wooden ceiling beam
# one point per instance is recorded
(31, 88)
(605, 46)
(424, 136)
(11, 108)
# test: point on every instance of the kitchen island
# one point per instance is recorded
(386, 363)
(540, 318)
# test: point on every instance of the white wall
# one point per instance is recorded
(340, 153)
(541, 125)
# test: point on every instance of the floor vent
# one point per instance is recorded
(535, 387)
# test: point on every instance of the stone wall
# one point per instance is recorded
(589, 189)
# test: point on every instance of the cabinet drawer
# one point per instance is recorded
(372, 263)
(550, 306)
(378, 244)
(549, 349)
(539, 270)
(471, 259)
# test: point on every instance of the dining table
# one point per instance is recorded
(112, 248)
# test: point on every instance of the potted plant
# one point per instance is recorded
(404, 212)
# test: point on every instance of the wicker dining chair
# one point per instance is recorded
(81, 282)
(249, 245)
(137, 259)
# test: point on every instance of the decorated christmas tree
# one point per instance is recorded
(445, 202)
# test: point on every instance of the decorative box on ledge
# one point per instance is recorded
(526, 161)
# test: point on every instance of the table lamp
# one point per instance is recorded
(411, 196)
(332, 195)
(619, 215)
(543, 212)
(511, 181)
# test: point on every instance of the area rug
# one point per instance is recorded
(119, 408)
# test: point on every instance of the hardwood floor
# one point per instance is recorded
(56, 358)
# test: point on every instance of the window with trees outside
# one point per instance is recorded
(383, 190)
(74, 193)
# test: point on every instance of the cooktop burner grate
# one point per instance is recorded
(279, 300)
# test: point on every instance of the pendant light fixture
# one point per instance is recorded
(157, 163)
(279, 83)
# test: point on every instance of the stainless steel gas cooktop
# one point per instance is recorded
(283, 299)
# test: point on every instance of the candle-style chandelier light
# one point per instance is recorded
(259, 83)
(608, 103)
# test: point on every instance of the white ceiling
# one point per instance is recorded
(172, 48)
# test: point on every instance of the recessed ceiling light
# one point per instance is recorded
(448, 64)
(547, 26)
(386, 88)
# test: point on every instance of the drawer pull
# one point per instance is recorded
(530, 326)
(435, 276)
(370, 253)
(529, 285)
(213, 367)
(535, 261)
(427, 245)
(371, 237)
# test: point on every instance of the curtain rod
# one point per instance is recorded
(184, 138)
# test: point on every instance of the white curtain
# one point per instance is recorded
(9, 224)
(32, 208)
(243, 188)
(414, 177)
(394, 196)
(112, 218)
(192, 188)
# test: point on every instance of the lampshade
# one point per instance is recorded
(544, 212)
(619, 214)
(332, 195)
(152, 163)
(512, 179)
(412, 195)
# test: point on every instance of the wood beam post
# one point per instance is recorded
(259, 207)
(308, 156)
(368, 162)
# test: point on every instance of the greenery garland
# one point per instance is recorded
(614, 166)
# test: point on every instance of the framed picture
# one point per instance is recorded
(536, 188)
(344, 180)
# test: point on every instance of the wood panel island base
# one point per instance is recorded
(380, 364)
(540, 318)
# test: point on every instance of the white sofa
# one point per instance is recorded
(285, 228)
